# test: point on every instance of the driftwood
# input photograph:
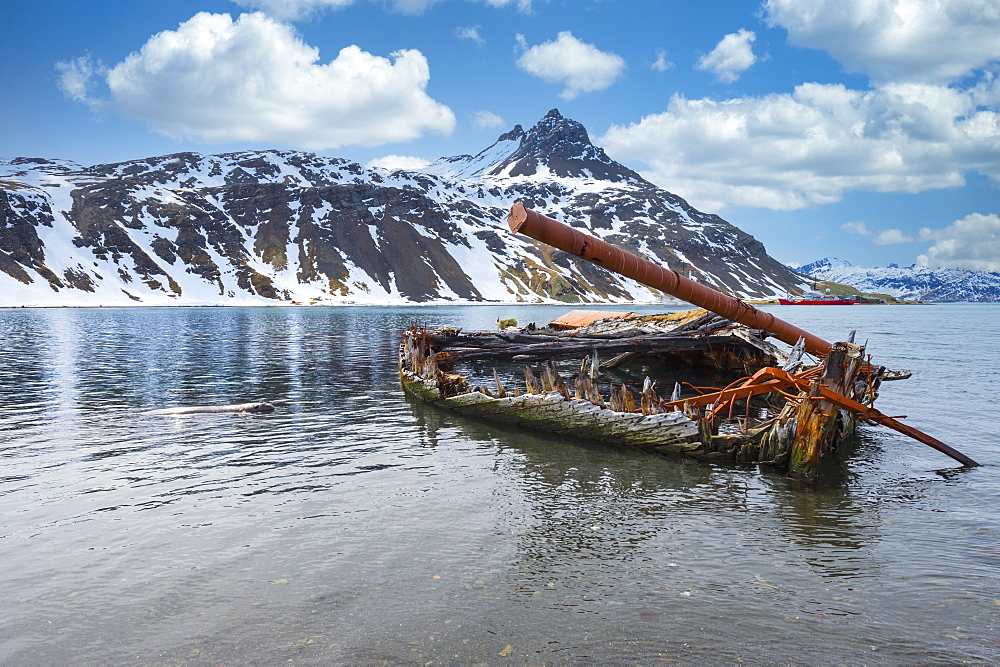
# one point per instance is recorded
(213, 409)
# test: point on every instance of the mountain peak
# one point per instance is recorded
(556, 146)
(823, 264)
(562, 145)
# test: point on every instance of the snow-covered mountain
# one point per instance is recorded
(917, 283)
(280, 226)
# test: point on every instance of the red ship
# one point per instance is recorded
(819, 300)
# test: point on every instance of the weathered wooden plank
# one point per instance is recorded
(581, 419)
(646, 344)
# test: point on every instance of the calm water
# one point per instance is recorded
(352, 525)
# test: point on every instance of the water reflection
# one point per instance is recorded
(88, 376)
(604, 530)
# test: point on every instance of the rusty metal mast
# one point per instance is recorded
(558, 235)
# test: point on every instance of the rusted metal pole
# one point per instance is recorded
(535, 225)
(874, 416)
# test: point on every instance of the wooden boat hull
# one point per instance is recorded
(806, 414)
(553, 413)
(792, 439)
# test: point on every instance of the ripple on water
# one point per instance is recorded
(352, 525)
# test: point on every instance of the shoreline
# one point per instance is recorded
(418, 304)
(434, 304)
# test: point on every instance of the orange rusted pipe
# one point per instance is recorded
(556, 234)
(876, 417)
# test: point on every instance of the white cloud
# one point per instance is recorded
(413, 6)
(254, 80)
(292, 10)
(892, 237)
(859, 227)
(970, 243)
(470, 33)
(485, 120)
(391, 162)
(731, 56)
(523, 6)
(76, 79)
(931, 41)
(581, 67)
(661, 64)
(790, 151)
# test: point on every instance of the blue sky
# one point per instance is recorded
(863, 129)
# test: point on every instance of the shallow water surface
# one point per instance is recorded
(354, 525)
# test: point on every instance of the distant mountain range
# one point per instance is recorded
(916, 283)
(279, 226)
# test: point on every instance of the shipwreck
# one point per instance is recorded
(733, 395)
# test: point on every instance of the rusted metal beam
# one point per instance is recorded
(535, 225)
(874, 416)
(764, 381)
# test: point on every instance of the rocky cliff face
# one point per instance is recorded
(917, 283)
(279, 226)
